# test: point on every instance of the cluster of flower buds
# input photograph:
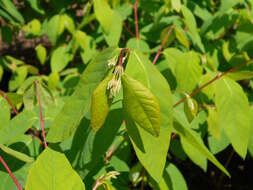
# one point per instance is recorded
(114, 84)
(112, 62)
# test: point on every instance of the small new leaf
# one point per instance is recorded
(41, 53)
(141, 105)
(190, 108)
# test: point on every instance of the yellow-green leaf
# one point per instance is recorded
(100, 104)
(52, 171)
(233, 113)
(141, 105)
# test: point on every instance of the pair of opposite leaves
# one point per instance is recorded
(139, 104)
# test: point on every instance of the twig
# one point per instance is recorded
(142, 181)
(112, 151)
(218, 76)
(41, 114)
(9, 102)
(136, 19)
(163, 44)
(128, 30)
(220, 180)
(14, 179)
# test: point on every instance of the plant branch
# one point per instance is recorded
(220, 180)
(163, 44)
(3, 94)
(14, 179)
(217, 77)
(41, 114)
(136, 19)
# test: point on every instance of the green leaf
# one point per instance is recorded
(35, 5)
(100, 104)
(41, 53)
(53, 80)
(5, 113)
(27, 145)
(21, 156)
(51, 28)
(110, 21)
(213, 124)
(78, 105)
(233, 113)
(241, 75)
(227, 4)
(17, 126)
(150, 150)
(137, 44)
(141, 105)
(183, 129)
(181, 37)
(60, 58)
(172, 179)
(193, 152)
(32, 27)
(52, 171)
(66, 22)
(250, 146)
(18, 78)
(11, 9)
(173, 57)
(218, 145)
(208, 90)
(191, 24)
(87, 152)
(188, 72)
(176, 5)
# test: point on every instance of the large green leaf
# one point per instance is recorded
(100, 104)
(182, 127)
(87, 152)
(110, 21)
(17, 126)
(151, 150)
(79, 103)
(233, 113)
(188, 71)
(52, 171)
(141, 105)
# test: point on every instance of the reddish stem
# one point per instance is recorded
(41, 114)
(10, 174)
(9, 102)
(136, 19)
(163, 44)
(121, 58)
